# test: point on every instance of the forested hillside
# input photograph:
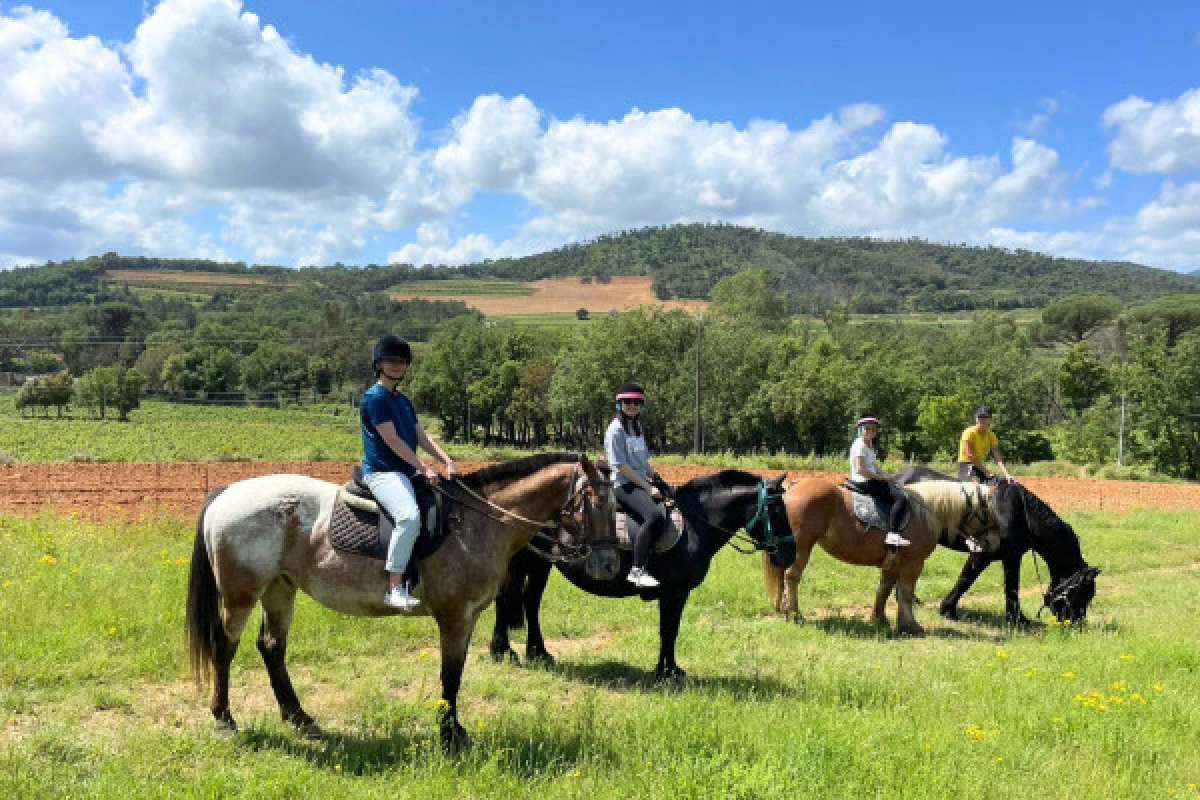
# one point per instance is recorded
(687, 261)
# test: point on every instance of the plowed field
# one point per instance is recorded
(133, 490)
(560, 295)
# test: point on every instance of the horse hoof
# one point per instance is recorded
(509, 655)
(540, 658)
(226, 728)
(1021, 623)
(911, 630)
(949, 613)
(309, 729)
(455, 740)
(670, 675)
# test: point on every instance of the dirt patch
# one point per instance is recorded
(566, 295)
(133, 490)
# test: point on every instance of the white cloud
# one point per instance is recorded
(1036, 125)
(433, 246)
(1155, 137)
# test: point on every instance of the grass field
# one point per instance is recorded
(94, 701)
(493, 287)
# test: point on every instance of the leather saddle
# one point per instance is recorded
(668, 539)
(361, 527)
(873, 513)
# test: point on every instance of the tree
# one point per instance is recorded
(1082, 378)
(1175, 314)
(1078, 316)
(749, 295)
(97, 390)
(1165, 384)
(581, 314)
(130, 383)
(941, 419)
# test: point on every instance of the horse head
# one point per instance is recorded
(769, 528)
(1068, 599)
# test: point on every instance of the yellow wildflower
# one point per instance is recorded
(1158, 687)
(1001, 653)
(1119, 686)
(1136, 697)
(7, 584)
(1068, 675)
(1127, 657)
(112, 630)
(47, 559)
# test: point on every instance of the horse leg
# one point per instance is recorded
(887, 580)
(906, 592)
(233, 622)
(535, 645)
(1012, 592)
(508, 615)
(790, 602)
(455, 634)
(971, 571)
(278, 606)
(670, 611)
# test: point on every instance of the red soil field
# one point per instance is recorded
(562, 295)
(131, 491)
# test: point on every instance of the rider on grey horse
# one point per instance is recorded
(391, 434)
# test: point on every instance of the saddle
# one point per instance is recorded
(874, 513)
(361, 527)
(668, 539)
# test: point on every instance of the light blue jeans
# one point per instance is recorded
(394, 491)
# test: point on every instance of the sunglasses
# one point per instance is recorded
(631, 402)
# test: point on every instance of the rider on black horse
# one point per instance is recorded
(625, 446)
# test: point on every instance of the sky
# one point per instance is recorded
(444, 132)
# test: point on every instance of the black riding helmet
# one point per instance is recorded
(390, 347)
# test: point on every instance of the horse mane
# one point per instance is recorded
(945, 500)
(707, 485)
(1062, 534)
(516, 469)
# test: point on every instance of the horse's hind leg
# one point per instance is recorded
(887, 580)
(789, 603)
(906, 592)
(278, 606)
(233, 622)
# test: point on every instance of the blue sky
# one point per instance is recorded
(505, 128)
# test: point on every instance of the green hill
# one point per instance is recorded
(686, 261)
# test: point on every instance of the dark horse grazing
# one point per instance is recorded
(260, 540)
(714, 507)
(1026, 523)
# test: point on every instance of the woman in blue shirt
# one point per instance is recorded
(626, 449)
(391, 434)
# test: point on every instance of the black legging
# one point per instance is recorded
(885, 492)
(969, 472)
(649, 516)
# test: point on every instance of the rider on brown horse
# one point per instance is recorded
(869, 479)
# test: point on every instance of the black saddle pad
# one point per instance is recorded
(363, 533)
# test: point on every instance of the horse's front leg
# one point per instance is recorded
(971, 571)
(670, 612)
(455, 632)
(535, 645)
(1012, 592)
(508, 615)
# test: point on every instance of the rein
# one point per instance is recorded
(486, 508)
(762, 511)
(1062, 591)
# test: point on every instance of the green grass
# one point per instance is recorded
(94, 701)
(463, 286)
(550, 319)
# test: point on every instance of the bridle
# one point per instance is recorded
(582, 493)
(977, 509)
(1062, 592)
(762, 512)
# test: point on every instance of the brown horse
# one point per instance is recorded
(259, 540)
(820, 512)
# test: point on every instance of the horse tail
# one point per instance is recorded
(203, 616)
(510, 605)
(773, 580)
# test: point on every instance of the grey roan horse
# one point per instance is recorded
(259, 540)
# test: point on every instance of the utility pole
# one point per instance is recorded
(699, 446)
(1121, 436)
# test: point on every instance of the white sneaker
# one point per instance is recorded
(642, 579)
(973, 545)
(896, 540)
(398, 597)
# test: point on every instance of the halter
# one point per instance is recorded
(976, 509)
(1063, 590)
(581, 487)
(770, 542)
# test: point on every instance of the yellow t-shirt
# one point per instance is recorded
(981, 443)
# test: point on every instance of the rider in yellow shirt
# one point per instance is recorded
(975, 444)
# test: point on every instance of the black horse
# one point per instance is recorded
(714, 508)
(1026, 523)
